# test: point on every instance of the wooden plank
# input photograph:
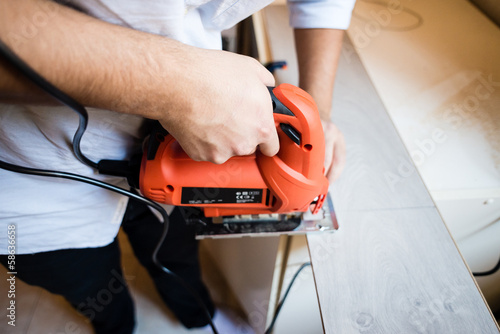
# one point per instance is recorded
(413, 279)
(431, 88)
(259, 30)
(379, 173)
(392, 267)
(389, 271)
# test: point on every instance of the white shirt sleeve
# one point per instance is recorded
(334, 14)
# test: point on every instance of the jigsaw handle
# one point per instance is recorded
(298, 168)
(302, 143)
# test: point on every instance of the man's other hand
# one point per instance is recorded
(335, 153)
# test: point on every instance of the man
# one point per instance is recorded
(126, 61)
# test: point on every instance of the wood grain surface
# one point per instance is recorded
(379, 173)
(393, 266)
(395, 271)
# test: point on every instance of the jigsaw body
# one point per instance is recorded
(247, 188)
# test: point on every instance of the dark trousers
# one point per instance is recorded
(91, 279)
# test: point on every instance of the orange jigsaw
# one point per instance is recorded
(290, 181)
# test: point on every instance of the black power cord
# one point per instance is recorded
(57, 94)
(489, 272)
(104, 185)
(63, 98)
(280, 304)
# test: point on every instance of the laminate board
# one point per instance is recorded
(379, 173)
(395, 271)
(442, 94)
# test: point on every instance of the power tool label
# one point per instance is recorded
(195, 195)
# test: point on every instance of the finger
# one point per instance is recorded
(329, 153)
(329, 146)
(271, 146)
(339, 161)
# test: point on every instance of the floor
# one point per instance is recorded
(38, 311)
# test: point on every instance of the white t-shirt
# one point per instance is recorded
(52, 214)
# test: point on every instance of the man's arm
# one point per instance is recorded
(318, 52)
(214, 103)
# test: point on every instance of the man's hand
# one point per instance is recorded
(334, 151)
(223, 108)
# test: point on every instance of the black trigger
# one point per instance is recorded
(291, 132)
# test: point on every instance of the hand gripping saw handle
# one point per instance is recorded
(290, 181)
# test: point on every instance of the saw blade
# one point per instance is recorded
(296, 223)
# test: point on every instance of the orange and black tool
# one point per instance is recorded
(288, 182)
